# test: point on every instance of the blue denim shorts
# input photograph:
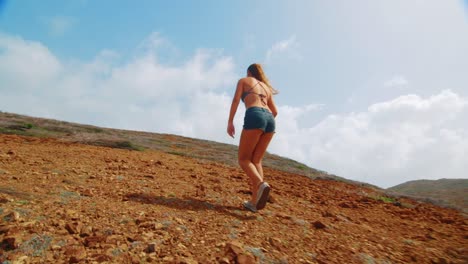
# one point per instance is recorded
(259, 118)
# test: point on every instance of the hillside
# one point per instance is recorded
(446, 192)
(67, 202)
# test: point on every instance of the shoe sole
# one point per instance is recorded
(250, 207)
(262, 201)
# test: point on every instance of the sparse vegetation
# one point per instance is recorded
(36, 246)
(386, 199)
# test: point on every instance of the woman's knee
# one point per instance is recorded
(256, 161)
(243, 161)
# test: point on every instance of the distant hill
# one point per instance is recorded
(445, 192)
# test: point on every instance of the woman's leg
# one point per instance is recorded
(259, 152)
(248, 142)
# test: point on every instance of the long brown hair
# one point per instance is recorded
(257, 72)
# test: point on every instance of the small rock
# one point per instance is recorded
(11, 152)
(4, 200)
(158, 226)
(234, 247)
(12, 217)
(284, 216)
(440, 260)
(222, 244)
(22, 260)
(272, 199)
(168, 259)
(328, 214)
(5, 228)
(188, 261)
(87, 192)
(135, 259)
(347, 205)
(10, 243)
(276, 243)
(102, 258)
(114, 239)
(86, 231)
(319, 225)
(93, 241)
(151, 248)
(224, 261)
(179, 221)
(72, 214)
(75, 253)
(246, 259)
(448, 221)
(73, 228)
(234, 251)
(56, 247)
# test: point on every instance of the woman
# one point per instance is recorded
(259, 127)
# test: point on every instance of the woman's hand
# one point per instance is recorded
(231, 130)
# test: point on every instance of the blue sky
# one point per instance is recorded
(375, 91)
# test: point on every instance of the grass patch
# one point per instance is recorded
(386, 199)
(383, 198)
(20, 126)
(22, 202)
(66, 196)
(257, 252)
(36, 246)
(177, 153)
(300, 166)
(93, 130)
(120, 144)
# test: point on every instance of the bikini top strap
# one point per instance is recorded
(266, 92)
(254, 86)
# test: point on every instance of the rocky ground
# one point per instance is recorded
(70, 203)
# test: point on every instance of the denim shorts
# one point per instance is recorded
(259, 118)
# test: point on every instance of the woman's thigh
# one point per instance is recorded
(261, 147)
(248, 142)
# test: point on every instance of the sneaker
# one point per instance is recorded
(249, 206)
(262, 195)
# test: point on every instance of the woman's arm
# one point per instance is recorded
(272, 106)
(235, 103)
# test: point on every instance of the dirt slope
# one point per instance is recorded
(70, 203)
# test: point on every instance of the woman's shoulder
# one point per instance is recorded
(246, 79)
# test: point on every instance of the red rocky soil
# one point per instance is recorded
(70, 203)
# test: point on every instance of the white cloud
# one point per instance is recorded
(396, 81)
(25, 65)
(287, 48)
(142, 94)
(59, 25)
(392, 142)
